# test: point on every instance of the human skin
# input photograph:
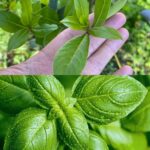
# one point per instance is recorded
(101, 52)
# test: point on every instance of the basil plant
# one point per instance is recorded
(101, 113)
(72, 57)
(39, 21)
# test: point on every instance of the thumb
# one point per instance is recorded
(125, 70)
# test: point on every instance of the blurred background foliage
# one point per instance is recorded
(136, 52)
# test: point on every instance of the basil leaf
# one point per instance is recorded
(44, 29)
(73, 128)
(50, 92)
(61, 147)
(96, 142)
(9, 21)
(50, 36)
(82, 11)
(104, 99)
(26, 16)
(69, 8)
(49, 16)
(117, 5)
(36, 13)
(121, 139)
(101, 11)
(71, 58)
(5, 123)
(72, 22)
(139, 119)
(15, 95)
(47, 90)
(105, 32)
(32, 130)
(18, 39)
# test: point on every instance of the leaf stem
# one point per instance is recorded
(118, 61)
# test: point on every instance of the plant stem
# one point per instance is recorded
(117, 61)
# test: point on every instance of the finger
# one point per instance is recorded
(125, 70)
(15, 70)
(116, 21)
(97, 62)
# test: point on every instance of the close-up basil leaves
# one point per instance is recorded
(74, 112)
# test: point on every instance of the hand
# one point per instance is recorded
(100, 52)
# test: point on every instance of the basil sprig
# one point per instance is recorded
(71, 58)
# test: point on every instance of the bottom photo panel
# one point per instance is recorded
(74, 112)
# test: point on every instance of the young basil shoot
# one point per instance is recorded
(72, 57)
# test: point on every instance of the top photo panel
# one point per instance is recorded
(74, 37)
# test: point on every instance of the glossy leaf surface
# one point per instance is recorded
(14, 95)
(104, 99)
(32, 130)
(50, 92)
(121, 139)
(47, 90)
(96, 142)
(139, 119)
(73, 129)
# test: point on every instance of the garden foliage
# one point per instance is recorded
(103, 112)
(43, 20)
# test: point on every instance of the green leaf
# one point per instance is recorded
(96, 142)
(117, 5)
(139, 119)
(36, 14)
(32, 130)
(73, 129)
(49, 16)
(26, 16)
(47, 90)
(104, 99)
(18, 39)
(71, 58)
(101, 11)
(50, 92)
(44, 29)
(69, 8)
(105, 32)
(53, 4)
(5, 123)
(49, 37)
(82, 11)
(15, 95)
(45, 2)
(9, 21)
(120, 139)
(73, 22)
